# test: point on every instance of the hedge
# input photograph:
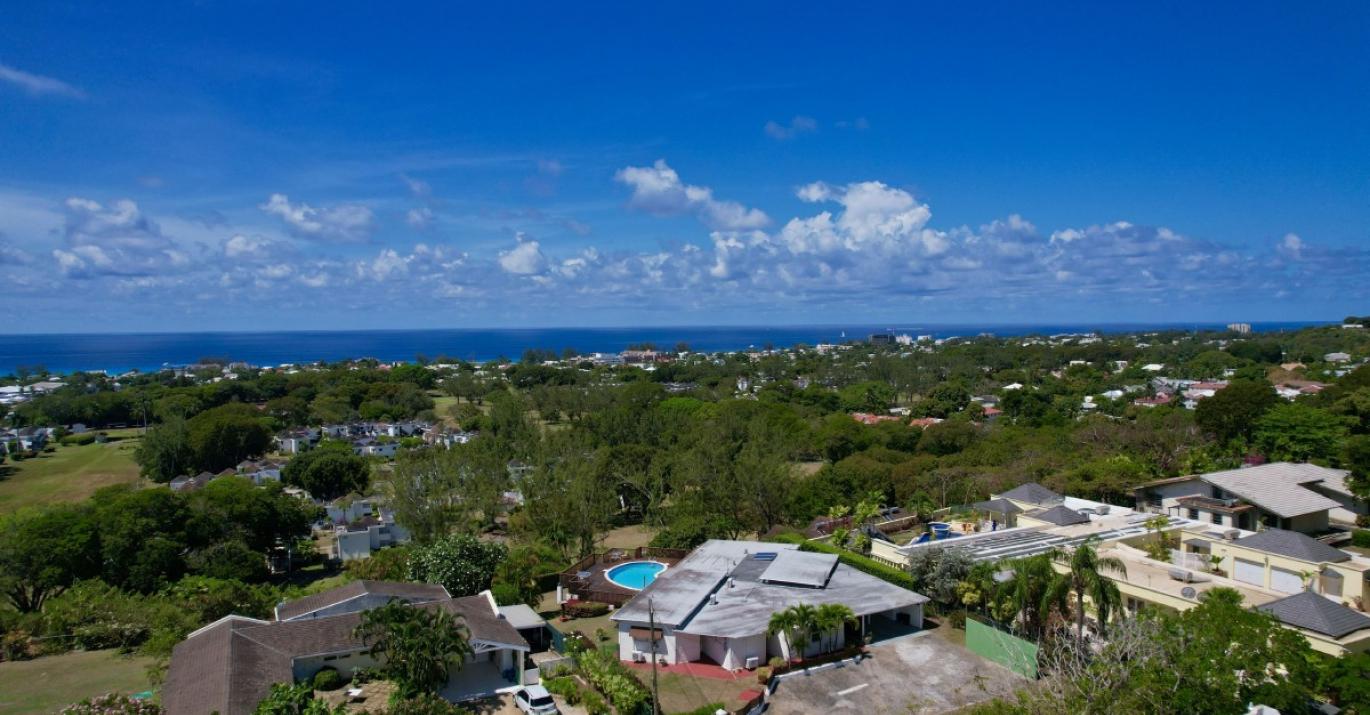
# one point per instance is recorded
(1361, 538)
(854, 560)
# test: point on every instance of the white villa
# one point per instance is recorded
(1311, 587)
(1285, 495)
(715, 605)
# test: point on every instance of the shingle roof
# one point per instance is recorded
(1294, 545)
(219, 670)
(230, 666)
(1276, 487)
(1059, 515)
(1033, 493)
(1316, 613)
(408, 592)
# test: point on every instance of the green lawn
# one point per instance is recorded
(681, 693)
(68, 474)
(46, 685)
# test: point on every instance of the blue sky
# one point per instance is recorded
(246, 165)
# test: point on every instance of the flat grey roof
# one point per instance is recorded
(735, 572)
(800, 568)
(677, 592)
(745, 607)
(1024, 541)
(521, 616)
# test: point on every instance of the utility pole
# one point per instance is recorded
(651, 634)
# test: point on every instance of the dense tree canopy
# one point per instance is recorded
(328, 471)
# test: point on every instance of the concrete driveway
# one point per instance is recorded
(922, 673)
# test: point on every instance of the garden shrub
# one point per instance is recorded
(1361, 538)
(584, 609)
(594, 704)
(426, 704)
(113, 704)
(610, 677)
(506, 594)
(328, 679)
(566, 687)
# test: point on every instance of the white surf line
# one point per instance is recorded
(852, 689)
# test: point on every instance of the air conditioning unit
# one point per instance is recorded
(639, 657)
(753, 662)
(1232, 534)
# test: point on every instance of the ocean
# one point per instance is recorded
(120, 352)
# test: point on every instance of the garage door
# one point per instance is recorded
(1250, 572)
(1285, 581)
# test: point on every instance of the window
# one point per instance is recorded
(1217, 518)
(1194, 514)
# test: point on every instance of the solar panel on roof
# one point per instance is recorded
(764, 556)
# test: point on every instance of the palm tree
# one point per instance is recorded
(783, 624)
(1036, 590)
(1087, 570)
(417, 647)
(828, 618)
(806, 625)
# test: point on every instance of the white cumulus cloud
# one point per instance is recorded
(523, 259)
(344, 222)
(657, 189)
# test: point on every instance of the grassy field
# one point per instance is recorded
(69, 473)
(626, 537)
(46, 685)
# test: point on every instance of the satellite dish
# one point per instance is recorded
(1188, 592)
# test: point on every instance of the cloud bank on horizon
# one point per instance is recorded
(866, 247)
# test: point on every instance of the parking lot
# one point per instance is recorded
(921, 673)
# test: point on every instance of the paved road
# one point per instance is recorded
(914, 674)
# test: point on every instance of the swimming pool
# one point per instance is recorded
(635, 574)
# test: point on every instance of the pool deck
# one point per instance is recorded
(588, 580)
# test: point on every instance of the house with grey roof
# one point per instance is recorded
(715, 604)
(1059, 515)
(229, 666)
(357, 596)
(1284, 495)
(1307, 611)
(1031, 496)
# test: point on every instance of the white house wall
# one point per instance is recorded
(305, 668)
(740, 649)
(714, 649)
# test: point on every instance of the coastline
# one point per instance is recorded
(119, 352)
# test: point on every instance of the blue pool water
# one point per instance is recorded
(635, 575)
